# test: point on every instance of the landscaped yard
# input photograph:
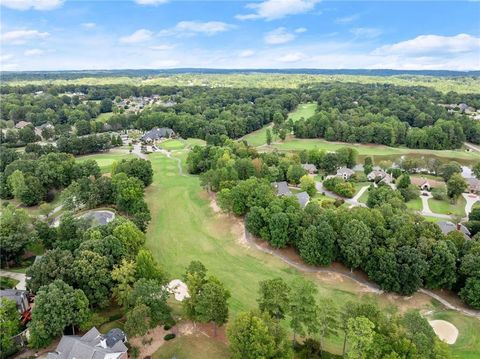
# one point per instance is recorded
(194, 346)
(445, 207)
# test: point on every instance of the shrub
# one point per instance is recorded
(439, 194)
(169, 336)
(134, 352)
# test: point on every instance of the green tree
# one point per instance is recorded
(278, 227)
(447, 170)
(57, 306)
(124, 277)
(441, 272)
(354, 242)
(15, 233)
(195, 279)
(317, 244)
(475, 170)
(360, 334)
(303, 308)
(470, 293)
(307, 184)
(128, 191)
(294, 173)
(54, 264)
(131, 237)
(327, 320)
(147, 267)
(9, 326)
(269, 136)
(154, 296)
(212, 303)
(456, 185)
(136, 167)
(419, 333)
(273, 297)
(138, 321)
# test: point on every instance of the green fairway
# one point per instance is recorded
(184, 227)
(305, 110)
(194, 346)
(172, 144)
(298, 144)
(445, 207)
(105, 160)
(195, 142)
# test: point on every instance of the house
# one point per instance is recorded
(425, 184)
(18, 296)
(282, 188)
(345, 173)
(473, 185)
(22, 124)
(39, 129)
(157, 134)
(92, 345)
(303, 199)
(380, 176)
(447, 227)
(310, 168)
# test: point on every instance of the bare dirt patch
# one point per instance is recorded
(446, 331)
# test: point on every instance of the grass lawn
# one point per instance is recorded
(105, 160)
(297, 144)
(259, 137)
(103, 117)
(364, 197)
(195, 142)
(172, 144)
(415, 204)
(445, 207)
(185, 228)
(467, 345)
(193, 347)
(8, 283)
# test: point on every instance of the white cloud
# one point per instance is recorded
(89, 25)
(33, 52)
(164, 47)
(277, 9)
(18, 37)
(346, 19)
(300, 30)
(291, 57)
(434, 45)
(151, 2)
(138, 36)
(5, 57)
(32, 4)
(366, 32)
(278, 36)
(197, 27)
(246, 53)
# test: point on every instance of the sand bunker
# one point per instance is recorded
(178, 289)
(446, 331)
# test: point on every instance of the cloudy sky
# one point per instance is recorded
(78, 34)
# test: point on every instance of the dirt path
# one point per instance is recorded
(472, 147)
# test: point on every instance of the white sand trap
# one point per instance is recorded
(178, 289)
(446, 331)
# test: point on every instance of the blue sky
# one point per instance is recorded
(66, 35)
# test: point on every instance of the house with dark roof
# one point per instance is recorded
(473, 185)
(92, 345)
(303, 199)
(18, 296)
(282, 188)
(446, 227)
(156, 134)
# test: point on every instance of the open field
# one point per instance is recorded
(195, 142)
(297, 144)
(442, 84)
(194, 346)
(445, 207)
(184, 227)
(105, 160)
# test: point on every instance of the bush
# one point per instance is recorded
(134, 352)
(115, 317)
(169, 336)
(167, 327)
(439, 194)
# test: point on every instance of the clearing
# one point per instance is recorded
(105, 160)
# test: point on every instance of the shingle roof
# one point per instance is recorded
(345, 170)
(282, 189)
(447, 227)
(303, 198)
(309, 167)
(157, 133)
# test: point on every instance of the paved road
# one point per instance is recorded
(138, 152)
(471, 200)
(21, 277)
(472, 147)
(426, 208)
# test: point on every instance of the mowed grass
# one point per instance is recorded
(298, 144)
(259, 137)
(415, 204)
(184, 227)
(172, 144)
(445, 207)
(105, 160)
(194, 346)
(467, 345)
(103, 117)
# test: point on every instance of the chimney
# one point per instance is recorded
(458, 226)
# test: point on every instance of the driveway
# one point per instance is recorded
(471, 200)
(425, 207)
(21, 277)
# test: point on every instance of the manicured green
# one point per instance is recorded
(7, 283)
(305, 110)
(172, 144)
(195, 142)
(105, 160)
(445, 207)
(415, 204)
(194, 346)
